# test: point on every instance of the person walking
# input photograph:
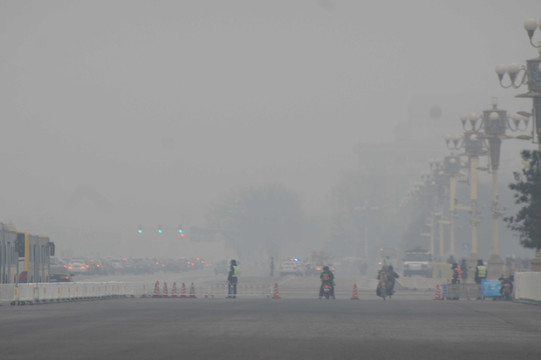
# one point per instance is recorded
(464, 268)
(457, 274)
(455, 280)
(232, 280)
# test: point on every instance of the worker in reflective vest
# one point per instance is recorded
(480, 272)
(232, 280)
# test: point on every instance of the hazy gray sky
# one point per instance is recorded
(120, 113)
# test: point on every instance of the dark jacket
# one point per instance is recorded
(329, 272)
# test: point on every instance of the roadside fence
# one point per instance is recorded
(461, 291)
(35, 293)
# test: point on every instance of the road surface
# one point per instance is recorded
(410, 326)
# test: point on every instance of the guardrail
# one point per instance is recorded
(34, 293)
(528, 286)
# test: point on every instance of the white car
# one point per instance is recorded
(291, 266)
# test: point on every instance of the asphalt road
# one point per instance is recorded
(409, 326)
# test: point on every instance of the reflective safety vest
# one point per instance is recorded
(481, 271)
(235, 271)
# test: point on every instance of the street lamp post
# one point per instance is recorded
(440, 180)
(532, 77)
(473, 145)
(451, 166)
(495, 122)
(430, 221)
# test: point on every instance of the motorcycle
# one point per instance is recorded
(506, 290)
(382, 290)
(327, 290)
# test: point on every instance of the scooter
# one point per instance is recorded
(381, 290)
(507, 290)
(327, 290)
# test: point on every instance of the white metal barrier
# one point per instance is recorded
(220, 289)
(48, 292)
(528, 286)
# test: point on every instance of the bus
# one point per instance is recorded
(24, 258)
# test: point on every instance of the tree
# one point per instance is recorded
(527, 188)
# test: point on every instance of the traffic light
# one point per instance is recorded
(160, 230)
(180, 231)
(140, 231)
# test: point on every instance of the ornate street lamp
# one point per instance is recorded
(451, 167)
(474, 147)
(526, 75)
(495, 122)
(531, 77)
(439, 181)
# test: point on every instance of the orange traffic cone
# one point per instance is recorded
(183, 291)
(157, 290)
(355, 295)
(174, 291)
(438, 293)
(275, 292)
(165, 292)
(192, 292)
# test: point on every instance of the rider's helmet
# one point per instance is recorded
(325, 268)
(234, 262)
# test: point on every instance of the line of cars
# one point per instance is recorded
(63, 270)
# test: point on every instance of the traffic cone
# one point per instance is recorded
(157, 290)
(192, 292)
(174, 291)
(438, 293)
(275, 292)
(355, 295)
(165, 292)
(183, 291)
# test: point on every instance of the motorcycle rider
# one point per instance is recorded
(383, 279)
(391, 276)
(327, 277)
